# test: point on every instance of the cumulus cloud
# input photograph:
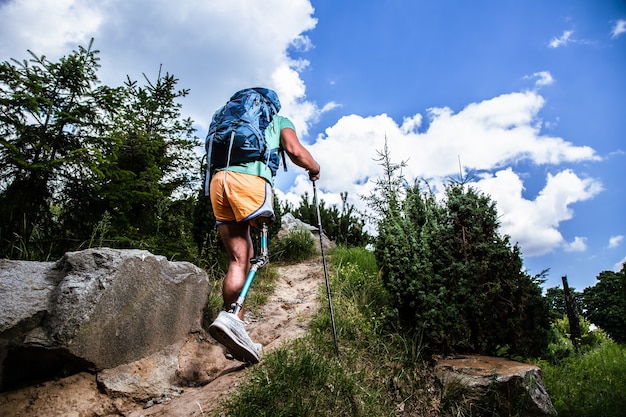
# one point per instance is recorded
(615, 241)
(534, 223)
(618, 28)
(193, 40)
(484, 136)
(579, 244)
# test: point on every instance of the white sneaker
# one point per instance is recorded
(230, 331)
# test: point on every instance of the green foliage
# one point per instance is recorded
(362, 302)
(297, 246)
(605, 303)
(345, 227)
(378, 373)
(72, 151)
(561, 345)
(382, 372)
(149, 161)
(590, 383)
(555, 297)
(452, 277)
(52, 116)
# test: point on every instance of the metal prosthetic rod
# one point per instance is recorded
(257, 263)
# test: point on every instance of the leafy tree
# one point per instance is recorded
(555, 296)
(605, 303)
(453, 278)
(52, 119)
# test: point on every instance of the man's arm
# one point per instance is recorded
(298, 154)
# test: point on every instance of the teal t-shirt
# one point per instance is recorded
(272, 135)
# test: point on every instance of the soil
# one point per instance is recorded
(284, 317)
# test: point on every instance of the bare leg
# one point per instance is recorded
(238, 244)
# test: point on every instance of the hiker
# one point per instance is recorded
(241, 195)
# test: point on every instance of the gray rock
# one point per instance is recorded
(104, 307)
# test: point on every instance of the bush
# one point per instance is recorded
(452, 277)
(297, 246)
(561, 345)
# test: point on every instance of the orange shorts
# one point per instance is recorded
(237, 197)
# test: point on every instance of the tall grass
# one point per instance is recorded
(591, 384)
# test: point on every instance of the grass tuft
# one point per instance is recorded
(297, 246)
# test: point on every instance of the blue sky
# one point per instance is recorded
(529, 96)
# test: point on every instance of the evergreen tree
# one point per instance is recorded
(52, 116)
(453, 278)
(76, 157)
(150, 165)
(345, 227)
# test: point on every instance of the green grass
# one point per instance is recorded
(590, 384)
(296, 381)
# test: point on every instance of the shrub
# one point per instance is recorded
(452, 277)
(297, 246)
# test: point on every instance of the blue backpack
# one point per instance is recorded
(237, 131)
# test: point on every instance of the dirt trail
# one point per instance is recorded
(283, 318)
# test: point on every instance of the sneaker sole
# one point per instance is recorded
(236, 349)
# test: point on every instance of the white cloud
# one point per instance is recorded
(618, 28)
(534, 224)
(484, 136)
(46, 27)
(563, 40)
(579, 244)
(543, 78)
(615, 241)
(619, 265)
(194, 40)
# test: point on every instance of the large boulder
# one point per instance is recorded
(483, 382)
(97, 308)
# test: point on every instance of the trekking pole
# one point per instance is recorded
(330, 303)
